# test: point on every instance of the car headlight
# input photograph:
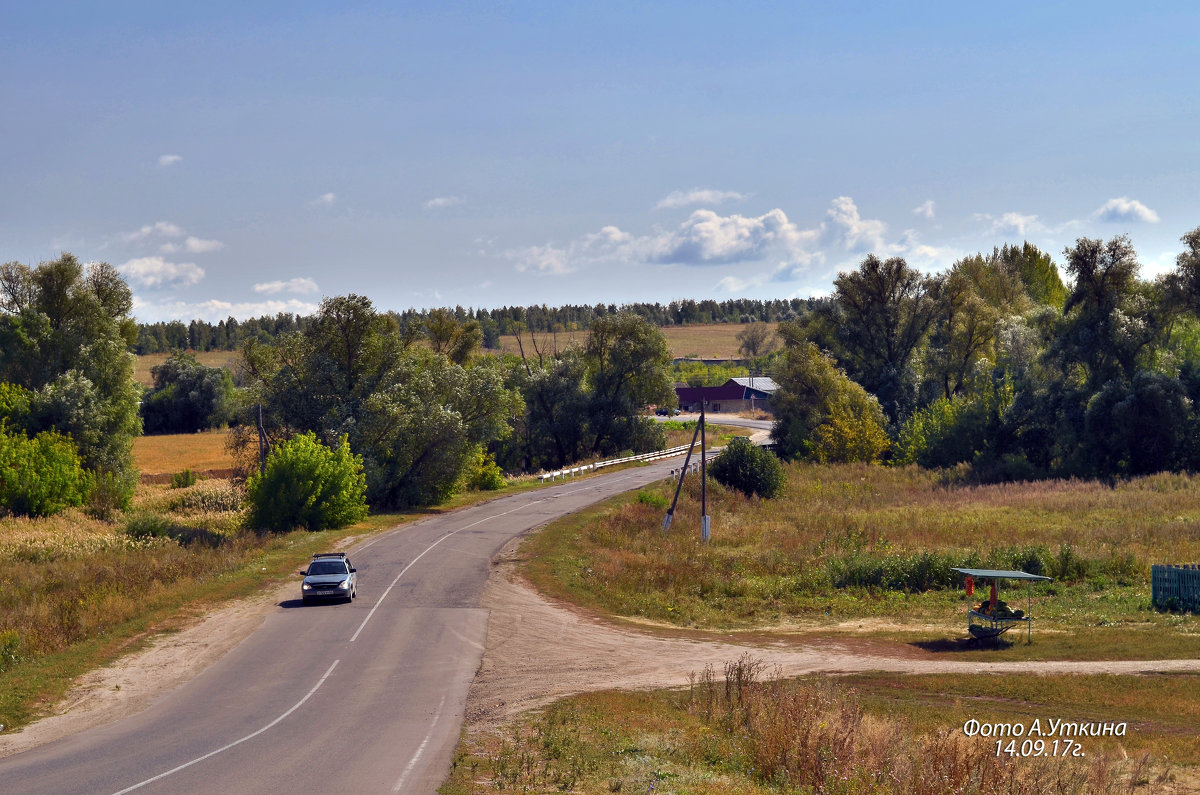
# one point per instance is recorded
(344, 584)
(306, 587)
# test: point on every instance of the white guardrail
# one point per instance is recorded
(579, 470)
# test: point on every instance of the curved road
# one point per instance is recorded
(362, 697)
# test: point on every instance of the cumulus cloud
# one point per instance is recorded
(1010, 223)
(684, 198)
(157, 229)
(709, 238)
(847, 229)
(1126, 210)
(215, 310)
(443, 201)
(301, 284)
(169, 160)
(324, 200)
(198, 246)
(156, 272)
(926, 210)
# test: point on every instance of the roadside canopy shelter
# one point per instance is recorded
(990, 623)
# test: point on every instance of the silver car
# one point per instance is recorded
(329, 576)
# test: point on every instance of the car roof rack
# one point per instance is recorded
(329, 555)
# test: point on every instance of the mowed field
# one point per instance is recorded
(141, 372)
(716, 341)
(175, 452)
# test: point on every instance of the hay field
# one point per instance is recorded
(175, 452)
(715, 341)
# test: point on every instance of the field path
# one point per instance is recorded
(538, 651)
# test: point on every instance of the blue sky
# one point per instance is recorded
(234, 160)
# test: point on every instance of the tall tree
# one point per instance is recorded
(65, 330)
(413, 415)
(886, 309)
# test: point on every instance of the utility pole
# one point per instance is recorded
(679, 486)
(264, 445)
(703, 479)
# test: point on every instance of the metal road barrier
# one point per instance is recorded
(579, 470)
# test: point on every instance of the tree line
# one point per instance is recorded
(1000, 365)
(230, 334)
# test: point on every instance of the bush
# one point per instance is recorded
(309, 485)
(42, 475)
(481, 473)
(143, 526)
(748, 468)
(184, 479)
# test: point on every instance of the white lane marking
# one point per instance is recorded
(420, 749)
(388, 590)
(235, 742)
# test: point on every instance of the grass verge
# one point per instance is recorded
(867, 551)
(732, 732)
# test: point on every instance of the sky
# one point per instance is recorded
(250, 158)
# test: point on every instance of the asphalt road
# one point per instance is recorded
(361, 697)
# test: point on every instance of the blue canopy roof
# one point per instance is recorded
(1002, 574)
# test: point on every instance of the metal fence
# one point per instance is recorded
(1175, 587)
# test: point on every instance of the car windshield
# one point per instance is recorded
(327, 567)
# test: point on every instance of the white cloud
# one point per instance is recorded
(169, 160)
(158, 229)
(1126, 210)
(683, 198)
(443, 201)
(708, 238)
(1011, 223)
(301, 284)
(197, 246)
(849, 230)
(215, 310)
(737, 284)
(157, 272)
(926, 210)
(324, 200)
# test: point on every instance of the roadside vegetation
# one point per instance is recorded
(743, 731)
(867, 550)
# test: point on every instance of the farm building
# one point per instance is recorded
(736, 394)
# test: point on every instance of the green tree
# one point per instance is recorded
(885, 309)
(65, 331)
(415, 416)
(813, 393)
(628, 364)
(187, 396)
(750, 469)
(306, 484)
(755, 340)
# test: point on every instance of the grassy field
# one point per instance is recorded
(175, 452)
(867, 551)
(717, 341)
(733, 732)
(141, 372)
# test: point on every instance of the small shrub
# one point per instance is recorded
(42, 475)
(309, 485)
(481, 473)
(111, 492)
(184, 479)
(652, 499)
(143, 526)
(748, 468)
(210, 496)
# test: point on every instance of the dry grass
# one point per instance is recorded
(858, 542)
(737, 734)
(141, 371)
(176, 452)
(716, 341)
